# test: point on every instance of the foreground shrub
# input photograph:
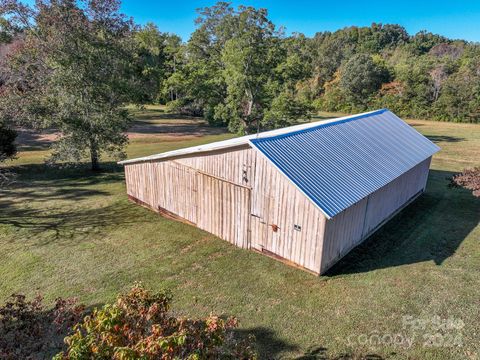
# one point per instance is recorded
(139, 326)
(469, 179)
(28, 331)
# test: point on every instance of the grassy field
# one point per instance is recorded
(68, 232)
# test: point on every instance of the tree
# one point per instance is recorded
(7, 151)
(236, 63)
(459, 98)
(198, 83)
(159, 54)
(75, 71)
(361, 77)
(248, 59)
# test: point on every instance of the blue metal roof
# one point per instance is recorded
(337, 164)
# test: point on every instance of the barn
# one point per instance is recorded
(305, 194)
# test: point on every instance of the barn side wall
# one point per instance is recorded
(355, 224)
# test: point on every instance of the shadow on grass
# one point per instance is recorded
(146, 115)
(193, 129)
(65, 224)
(320, 353)
(65, 218)
(270, 346)
(430, 229)
(30, 140)
(444, 138)
(68, 175)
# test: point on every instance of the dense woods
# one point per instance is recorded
(74, 65)
(239, 69)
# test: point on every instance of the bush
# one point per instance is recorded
(139, 326)
(468, 179)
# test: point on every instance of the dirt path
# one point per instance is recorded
(164, 126)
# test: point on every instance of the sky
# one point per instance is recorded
(455, 19)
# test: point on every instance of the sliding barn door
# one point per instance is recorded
(224, 209)
(180, 191)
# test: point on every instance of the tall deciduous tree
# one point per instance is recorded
(74, 71)
(249, 60)
(233, 73)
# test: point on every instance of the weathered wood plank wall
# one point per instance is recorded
(355, 224)
(284, 221)
(224, 210)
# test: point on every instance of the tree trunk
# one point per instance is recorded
(94, 156)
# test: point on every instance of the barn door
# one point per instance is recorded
(224, 209)
(263, 229)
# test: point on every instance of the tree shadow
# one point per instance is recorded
(182, 127)
(444, 138)
(320, 353)
(149, 115)
(66, 224)
(21, 204)
(268, 344)
(68, 174)
(430, 229)
(318, 117)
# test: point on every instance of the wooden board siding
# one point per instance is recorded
(164, 185)
(384, 202)
(275, 202)
(219, 207)
(242, 208)
(342, 233)
(284, 221)
(224, 209)
(351, 227)
(235, 165)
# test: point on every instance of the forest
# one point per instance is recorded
(75, 65)
(241, 70)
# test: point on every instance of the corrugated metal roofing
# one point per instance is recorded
(239, 141)
(339, 163)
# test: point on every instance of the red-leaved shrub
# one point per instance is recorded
(469, 179)
(140, 326)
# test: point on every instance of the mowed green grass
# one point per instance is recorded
(68, 232)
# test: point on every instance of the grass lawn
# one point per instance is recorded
(68, 232)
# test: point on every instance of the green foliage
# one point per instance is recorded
(285, 110)
(237, 62)
(158, 58)
(139, 326)
(7, 142)
(361, 77)
(424, 75)
(74, 71)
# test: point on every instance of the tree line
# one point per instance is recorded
(74, 65)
